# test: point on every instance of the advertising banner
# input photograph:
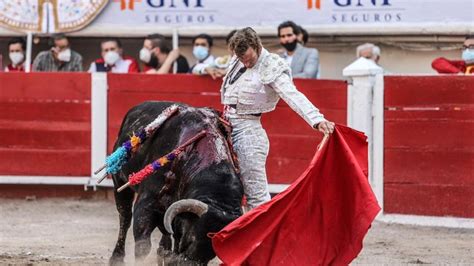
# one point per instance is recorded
(239, 13)
(130, 17)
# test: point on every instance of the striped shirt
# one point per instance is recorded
(45, 62)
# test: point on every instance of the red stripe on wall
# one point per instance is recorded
(44, 86)
(429, 199)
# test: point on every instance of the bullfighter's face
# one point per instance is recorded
(249, 58)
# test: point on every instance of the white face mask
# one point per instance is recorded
(200, 52)
(145, 55)
(468, 56)
(65, 55)
(16, 58)
(111, 57)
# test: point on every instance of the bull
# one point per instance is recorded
(198, 193)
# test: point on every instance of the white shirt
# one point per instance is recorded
(231, 93)
(288, 59)
(121, 66)
(260, 87)
(199, 67)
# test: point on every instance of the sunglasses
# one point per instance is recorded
(470, 47)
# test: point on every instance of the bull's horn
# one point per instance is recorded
(186, 205)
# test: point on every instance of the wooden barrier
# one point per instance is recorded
(429, 146)
(45, 124)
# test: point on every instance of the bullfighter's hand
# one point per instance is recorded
(325, 127)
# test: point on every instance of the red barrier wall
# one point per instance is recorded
(292, 141)
(45, 124)
(429, 145)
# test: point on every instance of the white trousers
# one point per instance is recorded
(251, 145)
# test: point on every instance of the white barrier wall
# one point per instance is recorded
(365, 112)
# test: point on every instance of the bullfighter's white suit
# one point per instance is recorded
(246, 94)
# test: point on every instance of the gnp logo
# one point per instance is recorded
(130, 4)
(170, 11)
(127, 4)
(316, 4)
(359, 11)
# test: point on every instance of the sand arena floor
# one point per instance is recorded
(83, 232)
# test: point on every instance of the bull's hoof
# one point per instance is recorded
(162, 252)
(166, 257)
(116, 261)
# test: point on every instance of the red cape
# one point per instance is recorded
(321, 219)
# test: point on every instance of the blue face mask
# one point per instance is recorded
(200, 52)
(468, 56)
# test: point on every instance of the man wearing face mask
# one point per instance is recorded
(113, 60)
(464, 66)
(159, 57)
(59, 58)
(304, 62)
(16, 50)
(202, 45)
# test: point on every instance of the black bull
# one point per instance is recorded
(202, 182)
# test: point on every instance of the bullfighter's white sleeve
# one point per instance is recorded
(285, 87)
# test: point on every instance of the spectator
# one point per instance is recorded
(304, 62)
(59, 58)
(16, 50)
(159, 57)
(202, 45)
(303, 36)
(464, 66)
(113, 60)
(369, 51)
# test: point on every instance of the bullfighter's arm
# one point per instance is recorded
(285, 87)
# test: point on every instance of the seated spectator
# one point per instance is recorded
(304, 62)
(113, 60)
(464, 66)
(59, 58)
(202, 45)
(303, 36)
(369, 51)
(159, 57)
(16, 50)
